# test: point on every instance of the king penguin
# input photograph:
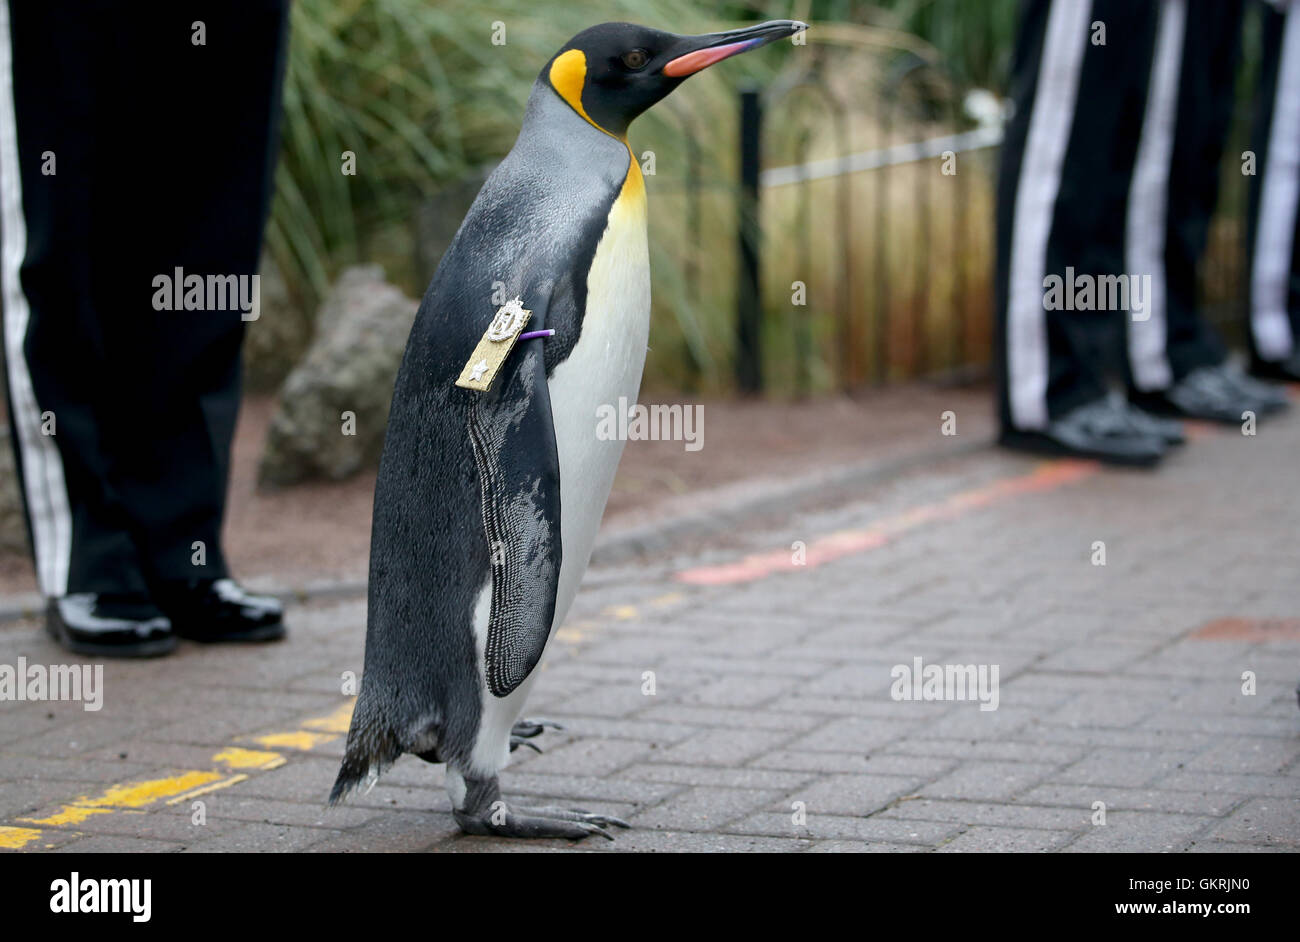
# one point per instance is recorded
(491, 486)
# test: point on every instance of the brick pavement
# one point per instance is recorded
(771, 726)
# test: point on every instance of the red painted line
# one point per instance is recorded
(1045, 477)
(1250, 629)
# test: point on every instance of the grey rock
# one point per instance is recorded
(361, 331)
(277, 340)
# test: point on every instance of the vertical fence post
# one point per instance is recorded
(749, 361)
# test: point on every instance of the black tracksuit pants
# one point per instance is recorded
(1109, 168)
(1272, 234)
(129, 150)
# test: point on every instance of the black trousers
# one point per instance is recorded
(1109, 172)
(129, 149)
(1175, 186)
(1273, 236)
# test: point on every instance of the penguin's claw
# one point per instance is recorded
(517, 741)
(577, 814)
(527, 729)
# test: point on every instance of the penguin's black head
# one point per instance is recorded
(612, 72)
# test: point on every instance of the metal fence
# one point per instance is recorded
(889, 311)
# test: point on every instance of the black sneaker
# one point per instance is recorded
(1208, 392)
(214, 610)
(1100, 430)
(1271, 397)
(1170, 431)
(110, 625)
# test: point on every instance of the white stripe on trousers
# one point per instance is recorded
(1055, 99)
(47, 495)
(1145, 227)
(1270, 272)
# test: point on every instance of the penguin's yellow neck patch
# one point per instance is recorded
(633, 183)
(568, 75)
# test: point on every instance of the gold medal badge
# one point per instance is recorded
(494, 346)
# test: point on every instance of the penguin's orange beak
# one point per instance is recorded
(714, 47)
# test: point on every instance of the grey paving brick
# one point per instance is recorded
(849, 734)
(723, 746)
(1140, 831)
(173, 825)
(696, 718)
(564, 788)
(696, 842)
(722, 777)
(987, 780)
(1261, 820)
(397, 832)
(1245, 755)
(1218, 783)
(703, 808)
(232, 805)
(1034, 817)
(844, 827)
(864, 847)
(262, 838)
(1004, 840)
(996, 750)
(116, 844)
(852, 794)
(1229, 847)
(1133, 799)
(592, 757)
(1123, 767)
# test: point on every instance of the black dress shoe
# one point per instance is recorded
(1100, 430)
(104, 625)
(212, 610)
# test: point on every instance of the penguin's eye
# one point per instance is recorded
(636, 59)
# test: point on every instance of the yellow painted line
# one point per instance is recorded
(663, 601)
(14, 838)
(173, 789)
(236, 758)
(129, 795)
(569, 635)
(139, 794)
(337, 721)
(622, 612)
(224, 783)
(69, 814)
(303, 740)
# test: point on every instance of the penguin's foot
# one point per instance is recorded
(486, 814)
(525, 730)
(507, 821)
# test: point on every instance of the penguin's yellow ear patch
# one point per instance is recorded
(568, 75)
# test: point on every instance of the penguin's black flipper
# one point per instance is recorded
(513, 437)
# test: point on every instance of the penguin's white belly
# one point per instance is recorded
(604, 366)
